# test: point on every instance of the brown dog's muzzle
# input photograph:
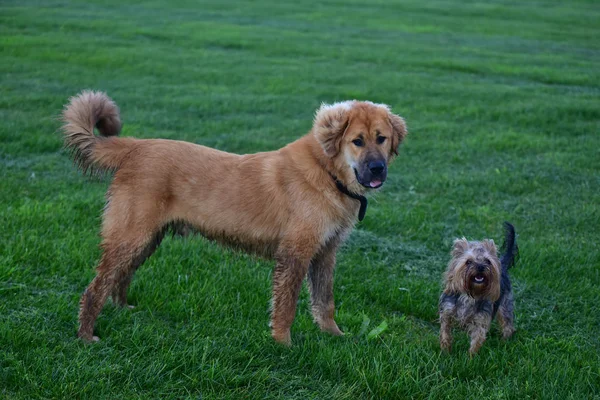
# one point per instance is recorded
(372, 173)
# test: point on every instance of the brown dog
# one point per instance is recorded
(295, 205)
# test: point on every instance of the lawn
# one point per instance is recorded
(502, 100)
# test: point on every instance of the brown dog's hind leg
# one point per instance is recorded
(119, 292)
(115, 269)
(95, 294)
(130, 230)
(320, 280)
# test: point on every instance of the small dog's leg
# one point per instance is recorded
(447, 310)
(478, 329)
(506, 316)
(446, 331)
(320, 279)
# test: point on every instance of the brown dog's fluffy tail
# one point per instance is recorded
(85, 111)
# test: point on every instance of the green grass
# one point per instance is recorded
(502, 100)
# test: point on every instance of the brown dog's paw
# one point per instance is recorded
(88, 338)
(282, 336)
(331, 327)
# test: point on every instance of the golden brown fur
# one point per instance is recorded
(282, 204)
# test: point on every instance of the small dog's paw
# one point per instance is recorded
(507, 333)
(445, 339)
(446, 346)
(473, 351)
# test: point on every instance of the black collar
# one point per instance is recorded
(363, 200)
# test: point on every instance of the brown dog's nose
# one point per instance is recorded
(376, 167)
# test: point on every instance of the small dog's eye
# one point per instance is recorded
(358, 142)
(380, 139)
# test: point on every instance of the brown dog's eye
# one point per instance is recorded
(380, 139)
(358, 142)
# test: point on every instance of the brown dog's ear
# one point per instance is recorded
(331, 122)
(399, 132)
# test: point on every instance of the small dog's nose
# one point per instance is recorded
(376, 167)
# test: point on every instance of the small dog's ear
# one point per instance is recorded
(331, 122)
(452, 282)
(490, 246)
(494, 291)
(399, 132)
(460, 247)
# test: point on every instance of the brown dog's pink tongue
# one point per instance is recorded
(375, 183)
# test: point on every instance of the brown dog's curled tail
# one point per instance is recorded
(85, 111)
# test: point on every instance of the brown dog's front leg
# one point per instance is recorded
(320, 280)
(293, 257)
(287, 282)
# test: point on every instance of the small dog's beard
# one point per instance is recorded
(474, 270)
(480, 283)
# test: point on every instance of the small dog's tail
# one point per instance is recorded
(85, 111)
(510, 250)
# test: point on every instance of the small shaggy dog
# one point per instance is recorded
(295, 205)
(477, 286)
